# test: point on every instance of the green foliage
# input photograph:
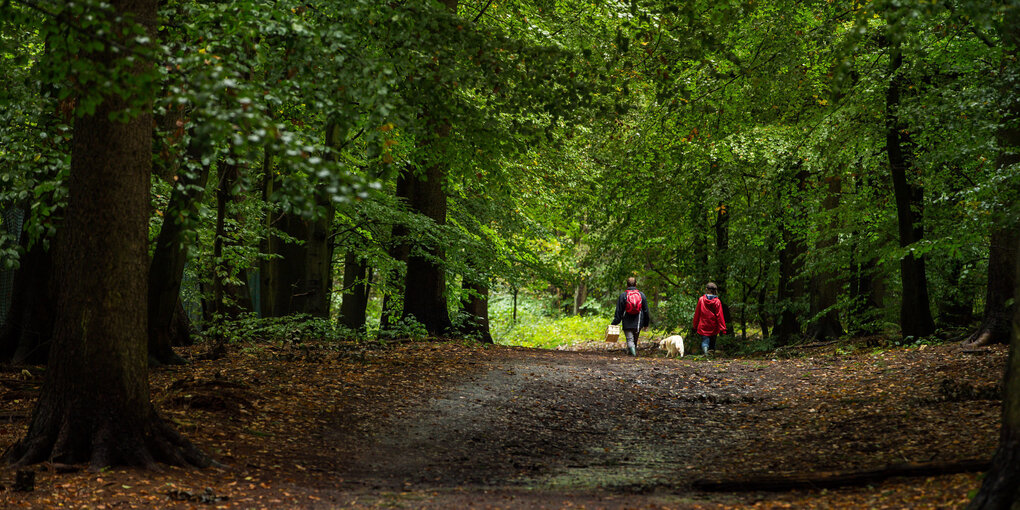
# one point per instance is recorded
(292, 329)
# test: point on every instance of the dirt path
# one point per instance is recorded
(612, 430)
(456, 425)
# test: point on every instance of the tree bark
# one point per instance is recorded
(1001, 487)
(476, 306)
(303, 271)
(166, 272)
(425, 282)
(25, 337)
(722, 246)
(791, 267)
(94, 405)
(353, 307)
(915, 309)
(825, 284)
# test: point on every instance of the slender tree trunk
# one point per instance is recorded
(915, 308)
(722, 247)
(791, 268)
(167, 269)
(825, 284)
(476, 306)
(392, 308)
(269, 269)
(94, 405)
(580, 296)
(956, 306)
(353, 307)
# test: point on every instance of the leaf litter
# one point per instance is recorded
(451, 424)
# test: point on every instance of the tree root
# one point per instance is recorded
(111, 442)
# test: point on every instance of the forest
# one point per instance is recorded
(186, 184)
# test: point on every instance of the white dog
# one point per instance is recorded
(673, 345)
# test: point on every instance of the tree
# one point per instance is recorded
(101, 267)
(915, 310)
(1000, 489)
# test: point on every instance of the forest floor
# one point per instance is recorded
(458, 425)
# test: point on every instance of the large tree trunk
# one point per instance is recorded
(1001, 487)
(166, 272)
(915, 310)
(353, 307)
(825, 284)
(1002, 253)
(303, 271)
(791, 266)
(94, 405)
(425, 282)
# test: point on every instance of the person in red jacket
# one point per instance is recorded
(708, 317)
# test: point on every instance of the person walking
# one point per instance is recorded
(708, 317)
(632, 310)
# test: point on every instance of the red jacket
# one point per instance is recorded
(708, 316)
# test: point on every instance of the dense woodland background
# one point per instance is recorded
(394, 169)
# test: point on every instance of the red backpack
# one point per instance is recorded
(633, 302)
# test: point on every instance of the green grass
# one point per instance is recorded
(550, 333)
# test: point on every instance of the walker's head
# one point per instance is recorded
(711, 288)
(631, 281)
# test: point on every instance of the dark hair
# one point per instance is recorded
(711, 288)
(631, 281)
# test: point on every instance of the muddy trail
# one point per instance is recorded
(455, 425)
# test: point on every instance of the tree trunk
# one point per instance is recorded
(791, 266)
(353, 307)
(12, 218)
(166, 272)
(1002, 253)
(268, 269)
(398, 251)
(425, 282)
(865, 291)
(229, 300)
(1001, 487)
(580, 296)
(303, 270)
(476, 306)
(915, 310)
(101, 264)
(956, 306)
(722, 246)
(25, 337)
(825, 284)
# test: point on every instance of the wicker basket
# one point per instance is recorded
(613, 333)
